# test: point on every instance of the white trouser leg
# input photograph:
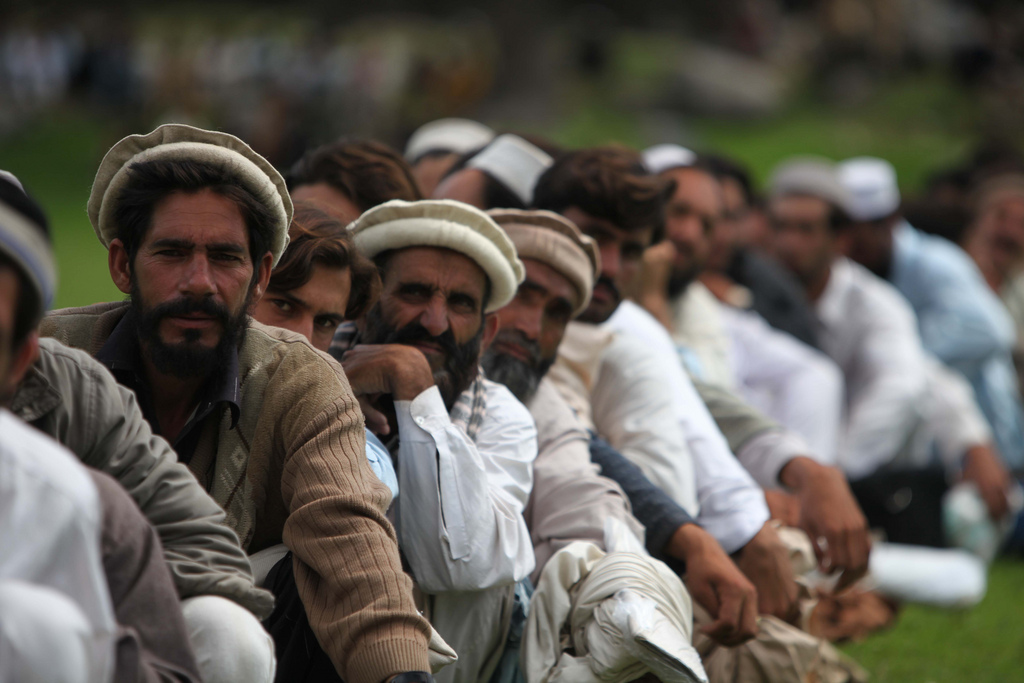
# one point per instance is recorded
(229, 642)
(46, 638)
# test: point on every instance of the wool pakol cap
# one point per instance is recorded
(457, 136)
(661, 158)
(809, 176)
(178, 142)
(515, 163)
(445, 224)
(872, 187)
(557, 242)
(26, 244)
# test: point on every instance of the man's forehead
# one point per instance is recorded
(198, 217)
(799, 203)
(434, 265)
(695, 183)
(550, 279)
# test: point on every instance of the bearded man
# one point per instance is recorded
(464, 446)
(194, 221)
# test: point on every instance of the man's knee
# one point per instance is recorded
(229, 642)
(36, 622)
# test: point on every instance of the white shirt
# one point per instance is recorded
(698, 332)
(50, 529)
(787, 380)
(732, 507)
(869, 330)
(460, 512)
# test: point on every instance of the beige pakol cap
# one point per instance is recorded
(557, 242)
(445, 224)
(178, 142)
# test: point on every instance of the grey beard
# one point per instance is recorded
(517, 375)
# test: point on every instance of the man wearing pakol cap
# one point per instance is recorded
(959, 318)
(61, 517)
(436, 146)
(464, 446)
(501, 175)
(636, 393)
(570, 501)
(194, 221)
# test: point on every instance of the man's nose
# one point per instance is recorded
(530, 323)
(611, 260)
(197, 279)
(435, 317)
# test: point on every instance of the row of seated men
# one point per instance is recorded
(337, 431)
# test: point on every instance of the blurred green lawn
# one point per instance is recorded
(918, 126)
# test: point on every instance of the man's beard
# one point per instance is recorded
(189, 359)
(521, 377)
(595, 316)
(461, 363)
(680, 280)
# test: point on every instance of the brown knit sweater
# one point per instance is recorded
(294, 469)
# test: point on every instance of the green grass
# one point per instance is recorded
(981, 644)
(917, 125)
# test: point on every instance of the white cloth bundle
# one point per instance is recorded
(626, 613)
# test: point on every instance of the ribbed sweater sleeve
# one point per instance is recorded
(347, 567)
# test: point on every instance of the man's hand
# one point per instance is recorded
(765, 561)
(654, 279)
(829, 511)
(783, 507)
(374, 370)
(983, 467)
(717, 585)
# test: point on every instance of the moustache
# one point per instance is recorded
(415, 332)
(608, 283)
(517, 338)
(186, 306)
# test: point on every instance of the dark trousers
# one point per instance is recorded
(300, 659)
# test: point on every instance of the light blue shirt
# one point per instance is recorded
(380, 462)
(964, 324)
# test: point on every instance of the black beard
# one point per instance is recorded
(680, 280)
(189, 359)
(461, 363)
(521, 377)
(598, 317)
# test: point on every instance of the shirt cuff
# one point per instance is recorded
(422, 417)
(764, 455)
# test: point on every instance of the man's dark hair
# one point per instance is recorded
(320, 239)
(723, 167)
(367, 172)
(496, 193)
(151, 181)
(610, 183)
(29, 310)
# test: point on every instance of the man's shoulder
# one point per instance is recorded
(503, 407)
(39, 463)
(83, 327)
(285, 356)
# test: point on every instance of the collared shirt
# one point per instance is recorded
(776, 294)
(963, 322)
(702, 341)
(460, 509)
(122, 355)
(50, 532)
(732, 507)
(869, 330)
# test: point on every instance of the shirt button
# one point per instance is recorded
(420, 421)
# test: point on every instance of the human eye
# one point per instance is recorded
(462, 302)
(326, 322)
(283, 305)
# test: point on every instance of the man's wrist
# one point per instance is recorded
(796, 473)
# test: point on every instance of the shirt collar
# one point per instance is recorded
(122, 355)
(831, 304)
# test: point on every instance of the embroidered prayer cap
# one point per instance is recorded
(872, 188)
(557, 242)
(809, 176)
(457, 136)
(445, 224)
(25, 240)
(661, 158)
(178, 142)
(515, 163)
